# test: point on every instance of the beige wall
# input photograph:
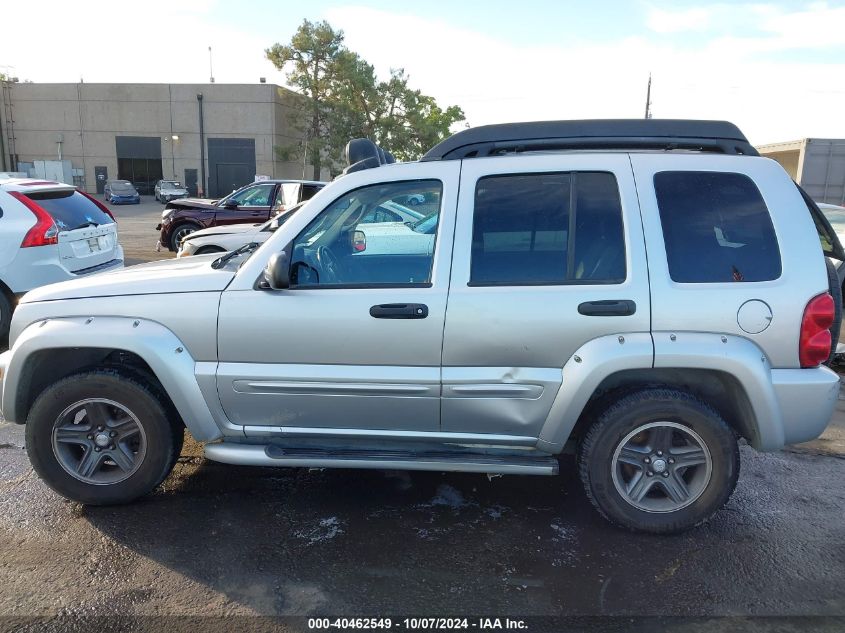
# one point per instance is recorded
(789, 160)
(88, 117)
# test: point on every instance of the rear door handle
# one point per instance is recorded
(399, 311)
(621, 307)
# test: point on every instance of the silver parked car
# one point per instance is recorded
(582, 293)
(167, 190)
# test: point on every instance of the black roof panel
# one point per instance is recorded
(491, 140)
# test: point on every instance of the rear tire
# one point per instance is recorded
(101, 438)
(659, 461)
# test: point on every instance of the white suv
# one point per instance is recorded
(50, 232)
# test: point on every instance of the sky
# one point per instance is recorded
(776, 69)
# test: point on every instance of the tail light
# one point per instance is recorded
(359, 242)
(815, 339)
(99, 204)
(45, 231)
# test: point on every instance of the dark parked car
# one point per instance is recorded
(253, 203)
(121, 192)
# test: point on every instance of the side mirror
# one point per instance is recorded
(277, 272)
(230, 204)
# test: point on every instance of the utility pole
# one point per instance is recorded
(648, 99)
(210, 70)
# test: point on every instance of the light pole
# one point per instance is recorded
(173, 139)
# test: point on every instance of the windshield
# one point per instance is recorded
(254, 196)
(122, 185)
(172, 184)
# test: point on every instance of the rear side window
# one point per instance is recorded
(70, 209)
(544, 229)
(716, 228)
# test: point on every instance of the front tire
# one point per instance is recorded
(101, 438)
(660, 461)
(180, 232)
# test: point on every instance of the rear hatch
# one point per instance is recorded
(87, 235)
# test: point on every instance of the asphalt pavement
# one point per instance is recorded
(136, 230)
(218, 540)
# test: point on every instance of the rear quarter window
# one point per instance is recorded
(716, 228)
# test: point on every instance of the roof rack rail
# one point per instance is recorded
(666, 134)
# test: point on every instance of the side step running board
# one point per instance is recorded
(256, 455)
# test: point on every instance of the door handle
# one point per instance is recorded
(620, 307)
(399, 311)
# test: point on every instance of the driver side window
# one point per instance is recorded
(347, 245)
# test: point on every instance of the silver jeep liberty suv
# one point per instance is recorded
(641, 293)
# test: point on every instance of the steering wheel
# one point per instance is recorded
(328, 264)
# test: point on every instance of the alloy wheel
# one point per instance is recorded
(661, 467)
(99, 441)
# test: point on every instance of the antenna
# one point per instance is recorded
(210, 70)
(648, 99)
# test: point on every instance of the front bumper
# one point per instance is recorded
(807, 399)
(5, 358)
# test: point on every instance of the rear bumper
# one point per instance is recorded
(807, 399)
(110, 265)
(5, 357)
(42, 265)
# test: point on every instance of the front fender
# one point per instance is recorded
(159, 347)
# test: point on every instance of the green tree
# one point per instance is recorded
(313, 53)
(412, 122)
(345, 99)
